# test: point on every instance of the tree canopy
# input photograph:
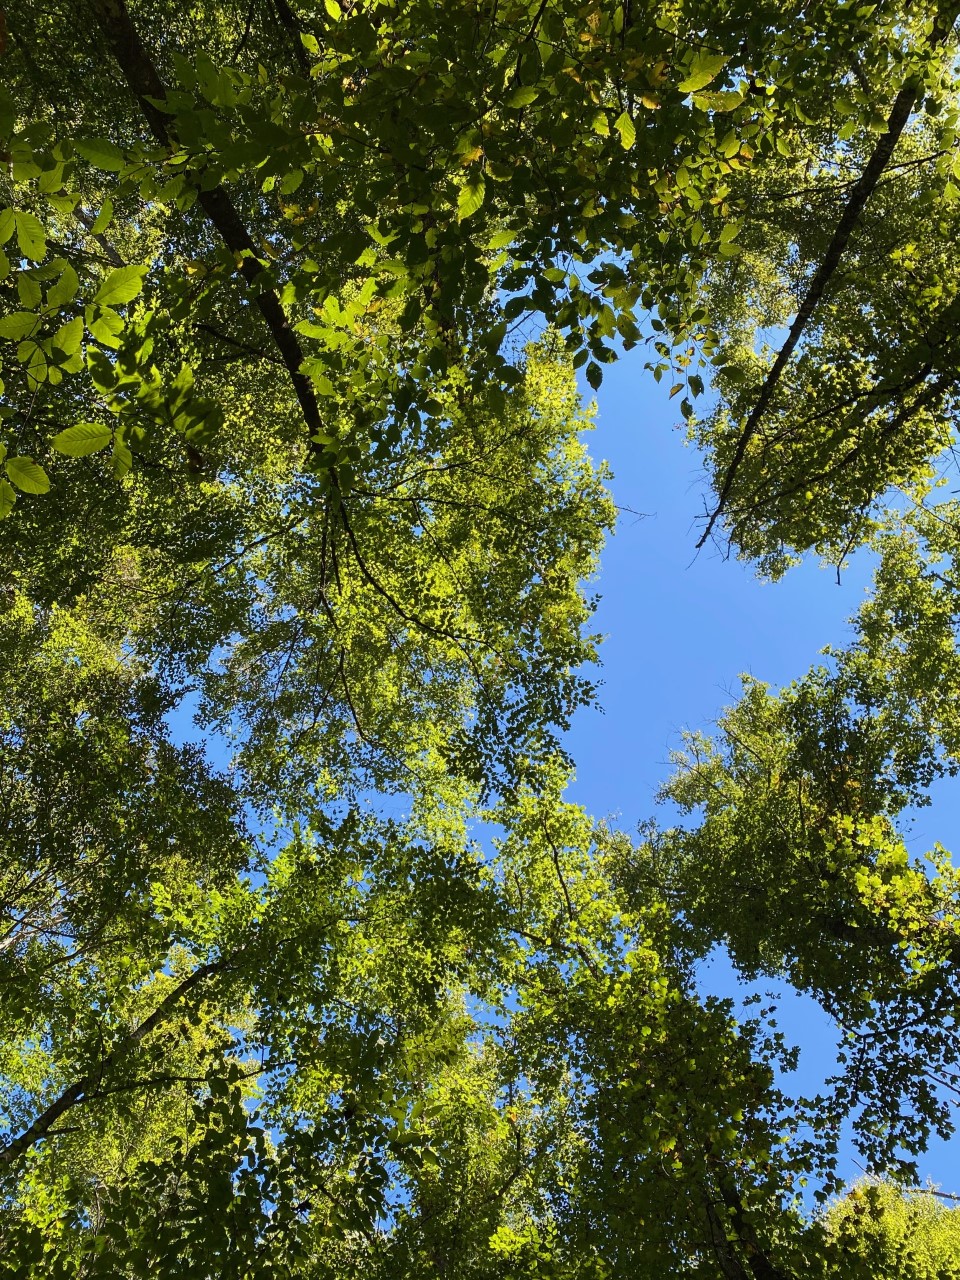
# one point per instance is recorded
(293, 297)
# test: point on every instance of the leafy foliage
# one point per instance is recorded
(291, 305)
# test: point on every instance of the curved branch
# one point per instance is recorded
(144, 80)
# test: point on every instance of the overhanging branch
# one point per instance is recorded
(144, 80)
(81, 1089)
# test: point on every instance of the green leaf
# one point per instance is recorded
(122, 285)
(122, 460)
(7, 224)
(8, 496)
(103, 218)
(723, 100)
(333, 9)
(81, 439)
(29, 290)
(309, 42)
(31, 236)
(69, 336)
(594, 375)
(705, 67)
(19, 325)
(102, 153)
(65, 289)
(31, 354)
(64, 204)
(27, 475)
(104, 325)
(471, 197)
(626, 129)
(729, 232)
(522, 97)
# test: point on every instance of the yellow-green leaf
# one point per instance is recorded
(103, 218)
(501, 239)
(27, 475)
(31, 236)
(122, 460)
(18, 325)
(102, 153)
(122, 285)
(81, 439)
(471, 197)
(522, 97)
(64, 290)
(29, 291)
(626, 129)
(69, 336)
(105, 325)
(722, 100)
(291, 181)
(705, 67)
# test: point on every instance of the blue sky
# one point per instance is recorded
(680, 628)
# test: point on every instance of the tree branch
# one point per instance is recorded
(144, 80)
(860, 193)
(80, 1091)
(289, 21)
(109, 251)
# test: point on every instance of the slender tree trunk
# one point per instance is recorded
(862, 190)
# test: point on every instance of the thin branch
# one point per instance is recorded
(108, 250)
(144, 81)
(241, 45)
(289, 21)
(81, 1090)
(246, 348)
(861, 192)
(534, 25)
